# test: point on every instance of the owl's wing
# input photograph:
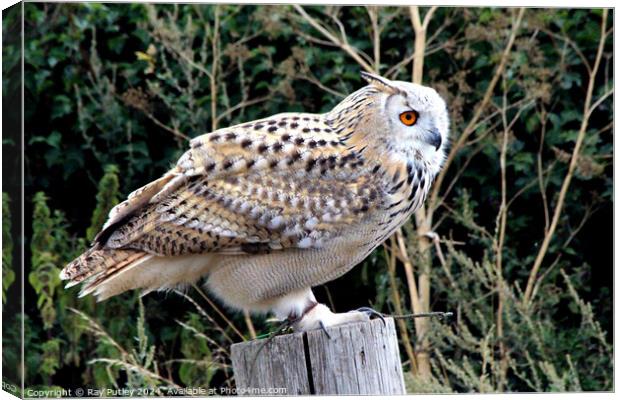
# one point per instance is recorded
(251, 213)
(287, 181)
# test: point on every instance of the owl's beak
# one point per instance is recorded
(433, 137)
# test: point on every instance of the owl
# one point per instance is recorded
(268, 209)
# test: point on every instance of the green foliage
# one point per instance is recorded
(142, 371)
(44, 275)
(8, 275)
(544, 356)
(113, 92)
(199, 365)
(107, 197)
(50, 354)
(548, 351)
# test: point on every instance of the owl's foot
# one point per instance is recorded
(320, 316)
(372, 313)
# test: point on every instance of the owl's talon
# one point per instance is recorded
(432, 235)
(372, 313)
(324, 328)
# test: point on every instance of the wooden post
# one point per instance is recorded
(360, 358)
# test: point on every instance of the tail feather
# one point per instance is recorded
(101, 279)
(95, 262)
(106, 272)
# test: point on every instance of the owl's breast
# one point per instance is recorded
(405, 192)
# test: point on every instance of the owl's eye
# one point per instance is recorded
(409, 118)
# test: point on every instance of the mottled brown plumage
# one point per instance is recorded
(269, 208)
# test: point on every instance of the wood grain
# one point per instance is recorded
(361, 358)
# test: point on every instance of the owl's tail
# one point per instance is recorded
(106, 272)
(97, 265)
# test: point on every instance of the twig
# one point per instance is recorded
(477, 113)
(218, 311)
(376, 34)
(413, 288)
(599, 101)
(499, 241)
(249, 324)
(422, 299)
(202, 335)
(239, 105)
(310, 78)
(343, 44)
(588, 213)
(438, 314)
(541, 184)
(572, 44)
(215, 41)
(313, 39)
(197, 362)
(587, 110)
(530, 184)
(399, 308)
(134, 367)
(157, 122)
(420, 28)
(202, 312)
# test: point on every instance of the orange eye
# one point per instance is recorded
(409, 118)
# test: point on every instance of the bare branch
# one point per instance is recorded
(157, 122)
(376, 33)
(469, 129)
(402, 326)
(332, 38)
(218, 311)
(419, 28)
(215, 47)
(249, 324)
(599, 101)
(312, 79)
(242, 104)
(527, 296)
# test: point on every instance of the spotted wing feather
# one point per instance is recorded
(253, 183)
(247, 214)
(286, 181)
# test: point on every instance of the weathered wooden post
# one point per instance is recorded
(360, 358)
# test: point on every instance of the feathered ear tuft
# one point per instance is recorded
(379, 82)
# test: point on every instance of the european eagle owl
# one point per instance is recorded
(267, 209)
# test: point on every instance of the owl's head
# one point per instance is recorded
(411, 119)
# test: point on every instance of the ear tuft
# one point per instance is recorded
(378, 81)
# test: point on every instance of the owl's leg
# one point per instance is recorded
(305, 313)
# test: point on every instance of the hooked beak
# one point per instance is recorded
(433, 137)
